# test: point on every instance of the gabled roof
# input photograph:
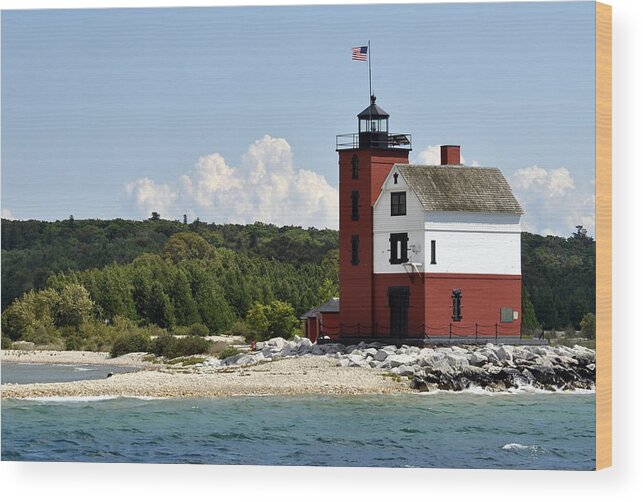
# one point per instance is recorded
(331, 305)
(458, 188)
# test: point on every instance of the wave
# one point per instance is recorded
(68, 399)
(517, 447)
(523, 389)
(86, 399)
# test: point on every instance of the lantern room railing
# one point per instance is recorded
(401, 141)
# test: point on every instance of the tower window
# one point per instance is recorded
(355, 166)
(355, 205)
(398, 203)
(456, 297)
(433, 262)
(399, 251)
(355, 249)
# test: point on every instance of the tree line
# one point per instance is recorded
(171, 274)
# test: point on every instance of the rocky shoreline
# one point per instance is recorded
(491, 367)
(297, 366)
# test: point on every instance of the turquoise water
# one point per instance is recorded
(46, 373)
(523, 431)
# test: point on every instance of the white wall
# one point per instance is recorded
(384, 224)
(466, 243)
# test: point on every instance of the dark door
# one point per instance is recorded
(398, 301)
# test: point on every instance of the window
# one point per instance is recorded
(355, 165)
(456, 296)
(433, 262)
(399, 251)
(355, 249)
(395, 175)
(398, 203)
(355, 205)
(506, 314)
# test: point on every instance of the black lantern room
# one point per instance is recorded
(373, 127)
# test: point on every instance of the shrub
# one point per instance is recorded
(130, 342)
(199, 329)
(588, 326)
(272, 320)
(6, 343)
(570, 332)
(172, 347)
(228, 352)
(241, 328)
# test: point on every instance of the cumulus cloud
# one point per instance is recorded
(553, 201)
(266, 187)
(7, 215)
(431, 156)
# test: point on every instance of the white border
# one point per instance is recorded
(109, 482)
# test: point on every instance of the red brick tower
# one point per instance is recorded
(365, 159)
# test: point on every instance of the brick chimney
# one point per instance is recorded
(450, 155)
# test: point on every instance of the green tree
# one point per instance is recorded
(73, 306)
(187, 246)
(529, 321)
(588, 326)
(276, 319)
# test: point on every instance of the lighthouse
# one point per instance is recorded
(425, 251)
(365, 159)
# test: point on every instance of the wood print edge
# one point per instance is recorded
(603, 235)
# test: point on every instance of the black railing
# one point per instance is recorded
(452, 330)
(392, 140)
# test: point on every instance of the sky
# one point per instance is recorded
(229, 114)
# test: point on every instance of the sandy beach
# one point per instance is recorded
(72, 357)
(292, 376)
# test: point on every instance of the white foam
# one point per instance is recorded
(523, 389)
(69, 399)
(518, 446)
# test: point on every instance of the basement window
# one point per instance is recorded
(456, 297)
(398, 203)
(355, 205)
(399, 248)
(355, 249)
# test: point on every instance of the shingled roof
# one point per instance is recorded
(331, 305)
(457, 188)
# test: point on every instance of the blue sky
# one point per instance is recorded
(230, 114)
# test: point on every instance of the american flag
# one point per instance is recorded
(359, 53)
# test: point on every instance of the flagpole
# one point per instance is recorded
(370, 87)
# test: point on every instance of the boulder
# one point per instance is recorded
(343, 362)
(457, 360)
(477, 359)
(400, 359)
(246, 359)
(403, 370)
(505, 353)
(381, 355)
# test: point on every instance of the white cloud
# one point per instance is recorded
(151, 196)
(265, 187)
(553, 202)
(7, 215)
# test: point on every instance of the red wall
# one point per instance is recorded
(482, 297)
(355, 281)
(430, 303)
(416, 301)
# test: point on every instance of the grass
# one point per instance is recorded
(570, 342)
(186, 360)
(393, 376)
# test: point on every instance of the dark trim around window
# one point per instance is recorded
(355, 205)
(399, 248)
(398, 203)
(355, 249)
(355, 167)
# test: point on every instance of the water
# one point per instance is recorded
(522, 431)
(46, 373)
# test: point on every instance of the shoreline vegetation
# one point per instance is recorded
(297, 367)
